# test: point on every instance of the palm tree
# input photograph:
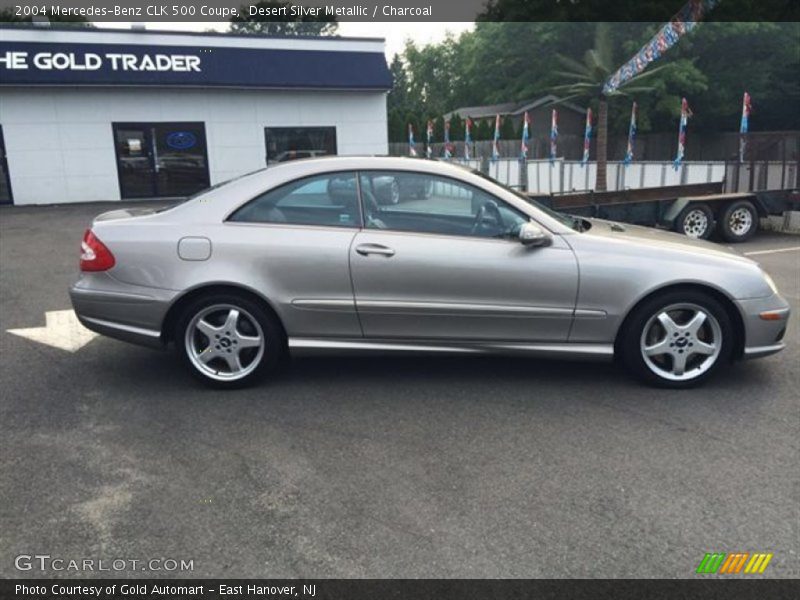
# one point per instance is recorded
(586, 81)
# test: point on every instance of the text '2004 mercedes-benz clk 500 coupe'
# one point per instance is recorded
(406, 255)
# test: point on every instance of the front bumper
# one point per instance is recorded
(128, 313)
(764, 337)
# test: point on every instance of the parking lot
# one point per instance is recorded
(382, 466)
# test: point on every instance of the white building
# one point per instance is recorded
(88, 115)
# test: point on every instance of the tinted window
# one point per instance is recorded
(431, 204)
(292, 143)
(330, 200)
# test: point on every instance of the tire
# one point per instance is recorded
(696, 221)
(653, 348)
(209, 328)
(739, 222)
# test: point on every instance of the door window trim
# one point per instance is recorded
(528, 217)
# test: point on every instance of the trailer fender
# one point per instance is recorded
(673, 210)
(761, 206)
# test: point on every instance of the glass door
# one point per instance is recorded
(179, 158)
(5, 180)
(161, 159)
(134, 161)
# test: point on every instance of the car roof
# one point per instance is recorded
(320, 164)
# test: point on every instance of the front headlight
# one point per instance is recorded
(770, 282)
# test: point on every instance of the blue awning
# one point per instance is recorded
(39, 63)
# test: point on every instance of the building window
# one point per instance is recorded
(291, 143)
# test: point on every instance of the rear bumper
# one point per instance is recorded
(764, 337)
(128, 313)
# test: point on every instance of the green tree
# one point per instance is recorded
(587, 78)
(456, 128)
(712, 67)
(398, 97)
(433, 73)
(285, 24)
(484, 129)
(395, 124)
(507, 130)
(438, 129)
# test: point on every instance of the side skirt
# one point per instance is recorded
(306, 346)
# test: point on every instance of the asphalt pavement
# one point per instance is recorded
(381, 466)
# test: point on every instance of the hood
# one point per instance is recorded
(653, 239)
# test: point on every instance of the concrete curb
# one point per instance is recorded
(788, 222)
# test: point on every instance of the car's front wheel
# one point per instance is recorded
(677, 340)
(228, 340)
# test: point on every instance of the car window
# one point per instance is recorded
(419, 202)
(328, 200)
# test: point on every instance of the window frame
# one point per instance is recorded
(514, 209)
(358, 225)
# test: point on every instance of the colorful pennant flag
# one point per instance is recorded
(429, 138)
(587, 137)
(745, 125)
(685, 114)
(496, 140)
(526, 134)
(448, 153)
(681, 24)
(467, 138)
(631, 137)
(412, 146)
(553, 136)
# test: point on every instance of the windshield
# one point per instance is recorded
(571, 222)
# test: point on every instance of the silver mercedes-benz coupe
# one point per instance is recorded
(406, 255)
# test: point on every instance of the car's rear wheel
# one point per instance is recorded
(228, 340)
(677, 340)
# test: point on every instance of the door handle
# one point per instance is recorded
(367, 249)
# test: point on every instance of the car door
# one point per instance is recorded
(439, 259)
(294, 241)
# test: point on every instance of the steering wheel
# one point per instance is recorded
(488, 208)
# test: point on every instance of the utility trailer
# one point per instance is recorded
(696, 210)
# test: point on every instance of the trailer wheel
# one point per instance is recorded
(739, 221)
(696, 221)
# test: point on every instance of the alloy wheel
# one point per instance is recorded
(681, 342)
(224, 342)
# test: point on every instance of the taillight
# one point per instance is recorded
(94, 254)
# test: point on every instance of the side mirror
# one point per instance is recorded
(530, 234)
